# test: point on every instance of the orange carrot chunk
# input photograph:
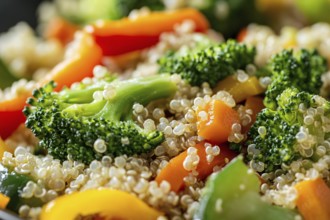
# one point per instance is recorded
(215, 121)
(256, 104)
(313, 200)
(174, 172)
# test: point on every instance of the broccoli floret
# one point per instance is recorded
(292, 131)
(210, 64)
(91, 121)
(302, 70)
(226, 16)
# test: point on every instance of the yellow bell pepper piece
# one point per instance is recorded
(107, 203)
(240, 90)
(3, 148)
(4, 200)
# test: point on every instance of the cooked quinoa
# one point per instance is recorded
(175, 118)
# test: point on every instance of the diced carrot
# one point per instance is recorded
(174, 172)
(215, 121)
(240, 90)
(4, 200)
(61, 30)
(313, 200)
(256, 104)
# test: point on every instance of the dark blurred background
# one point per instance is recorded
(13, 11)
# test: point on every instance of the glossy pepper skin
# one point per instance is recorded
(11, 184)
(233, 193)
(127, 35)
(100, 204)
(83, 55)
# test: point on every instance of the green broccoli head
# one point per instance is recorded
(208, 64)
(294, 130)
(91, 121)
(302, 70)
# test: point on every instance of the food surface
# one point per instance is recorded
(167, 109)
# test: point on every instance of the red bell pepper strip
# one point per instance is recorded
(127, 35)
(83, 56)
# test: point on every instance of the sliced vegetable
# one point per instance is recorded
(61, 30)
(127, 35)
(105, 203)
(174, 172)
(240, 90)
(4, 200)
(233, 193)
(82, 56)
(6, 76)
(314, 11)
(215, 121)
(11, 115)
(11, 184)
(255, 104)
(313, 199)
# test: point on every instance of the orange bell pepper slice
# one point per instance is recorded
(127, 35)
(82, 56)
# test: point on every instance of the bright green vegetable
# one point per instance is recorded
(6, 76)
(302, 70)
(72, 123)
(208, 64)
(316, 10)
(233, 193)
(11, 185)
(88, 11)
(228, 16)
(290, 132)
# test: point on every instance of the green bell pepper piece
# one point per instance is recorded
(11, 185)
(233, 193)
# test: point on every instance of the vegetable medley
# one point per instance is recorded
(163, 109)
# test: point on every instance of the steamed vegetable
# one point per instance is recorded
(228, 16)
(204, 168)
(11, 185)
(87, 11)
(313, 199)
(215, 121)
(240, 90)
(82, 56)
(98, 204)
(288, 133)
(210, 64)
(127, 35)
(233, 193)
(302, 70)
(95, 120)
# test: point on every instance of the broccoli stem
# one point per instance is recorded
(142, 91)
(127, 93)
